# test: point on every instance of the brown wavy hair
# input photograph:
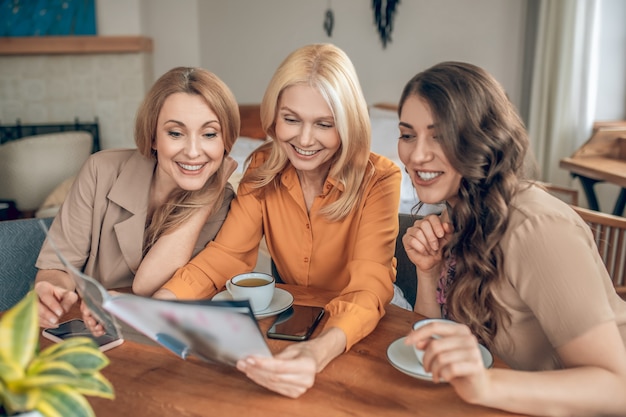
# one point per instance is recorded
(485, 140)
(328, 69)
(181, 204)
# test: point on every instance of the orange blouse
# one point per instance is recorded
(354, 256)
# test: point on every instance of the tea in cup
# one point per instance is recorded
(256, 287)
(419, 352)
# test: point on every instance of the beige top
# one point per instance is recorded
(101, 224)
(556, 288)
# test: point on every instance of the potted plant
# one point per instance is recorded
(54, 381)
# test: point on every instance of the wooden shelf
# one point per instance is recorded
(46, 45)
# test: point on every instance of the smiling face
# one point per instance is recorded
(189, 143)
(434, 178)
(305, 129)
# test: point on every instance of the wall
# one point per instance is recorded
(58, 88)
(246, 40)
(243, 41)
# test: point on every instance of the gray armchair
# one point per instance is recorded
(406, 277)
(20, 242)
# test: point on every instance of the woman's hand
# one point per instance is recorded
(425, 239)
(451, 354)
(292, 371)
(90, 321)
(54, 302)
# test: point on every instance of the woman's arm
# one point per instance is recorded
(70, 232)
(176, 248)
(426, 299)
(169, 253)
(593, 381)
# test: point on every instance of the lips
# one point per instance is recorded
(190, 167)
(303, 152)
(428, 175)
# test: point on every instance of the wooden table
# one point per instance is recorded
(151, 381)
(601, 158)
(591, 170)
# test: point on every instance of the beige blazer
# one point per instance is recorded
(101, 224)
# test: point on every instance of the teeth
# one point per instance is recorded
(190, 167)
(427, 176)
(305, 153)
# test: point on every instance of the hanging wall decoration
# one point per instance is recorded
(329, 20)
(384, 12)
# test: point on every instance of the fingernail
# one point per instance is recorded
(53, 320)
(58, 312)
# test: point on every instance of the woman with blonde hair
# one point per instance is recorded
(133, 216)
(512, 266)
(326, 205)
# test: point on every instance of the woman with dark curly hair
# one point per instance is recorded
(516, 268)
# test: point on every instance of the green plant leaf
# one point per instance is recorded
(20, 401)
(63, 402)
(63, 373)
(95, 385)
(47, 374)
(70, 343)
(84, 357)
(19, 332)
(50, 367)
(9, 371)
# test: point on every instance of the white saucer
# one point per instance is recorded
(281, 301)
(402, 357)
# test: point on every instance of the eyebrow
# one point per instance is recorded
(178, 122)
(409, 126)
(289, 110)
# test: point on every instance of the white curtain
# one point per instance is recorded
(564, 80)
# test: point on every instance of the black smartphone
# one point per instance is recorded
(296, 323)
(75, 328)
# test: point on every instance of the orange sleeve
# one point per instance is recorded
(361, 304)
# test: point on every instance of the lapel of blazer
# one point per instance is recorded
(131, 192)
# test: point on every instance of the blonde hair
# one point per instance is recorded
(328, 69)
(181, 204)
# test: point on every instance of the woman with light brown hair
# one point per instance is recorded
(513, 267)
(133, 216)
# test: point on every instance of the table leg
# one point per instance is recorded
(588, 184)
(620, 203)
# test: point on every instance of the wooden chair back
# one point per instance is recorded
(609, 232)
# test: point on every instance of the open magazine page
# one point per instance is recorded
(214, 331)
(220, 331)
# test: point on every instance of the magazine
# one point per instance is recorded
(215, 331)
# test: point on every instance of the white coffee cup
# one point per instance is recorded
(419, 352)
(256, 287)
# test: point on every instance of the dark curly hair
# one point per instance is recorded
(485, 140)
